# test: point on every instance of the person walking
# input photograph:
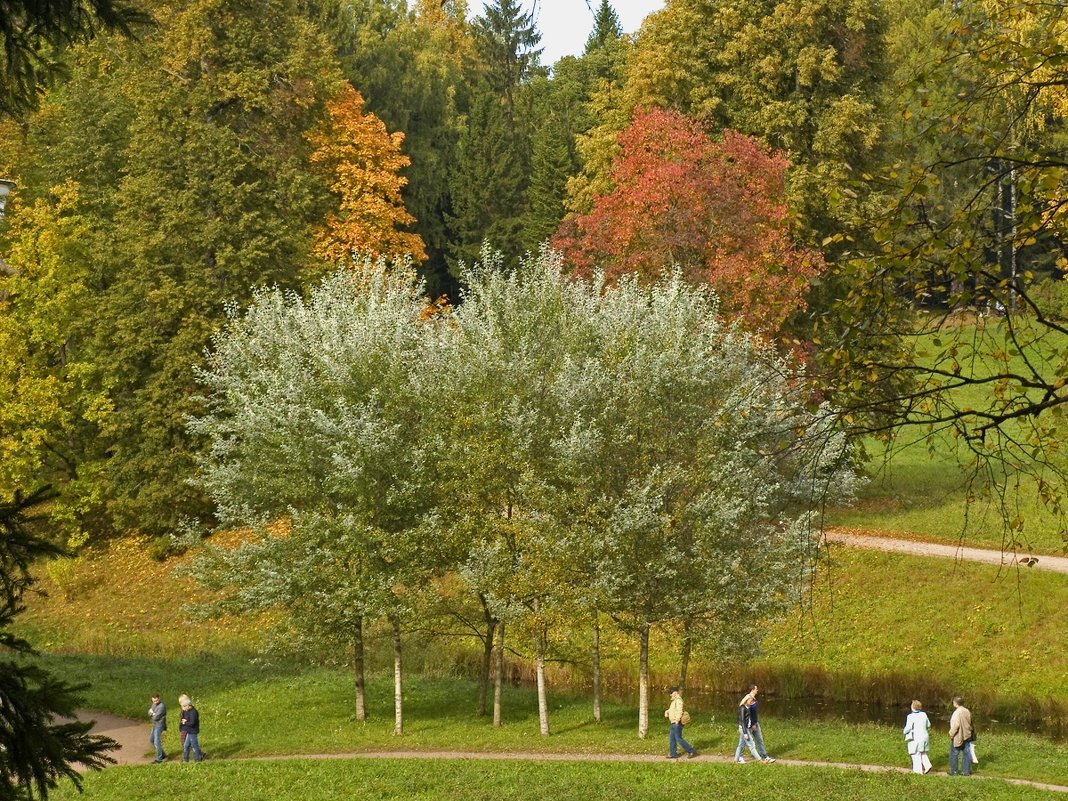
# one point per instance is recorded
(917, 733)
(745, 724)
(190, 725)
(157, 713)
(754, 725)
(675, 713)
(960, 733)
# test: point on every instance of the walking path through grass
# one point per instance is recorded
(132, 737)
(134, 748)
(854, 539)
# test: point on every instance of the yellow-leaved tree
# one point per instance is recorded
(362, 162)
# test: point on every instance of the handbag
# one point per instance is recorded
(685, 718)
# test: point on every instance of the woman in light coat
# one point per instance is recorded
(918, 738)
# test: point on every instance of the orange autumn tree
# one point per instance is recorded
(716, 210)
(362, 161)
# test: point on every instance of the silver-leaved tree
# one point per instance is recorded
(563, 449)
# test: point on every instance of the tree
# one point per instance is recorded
(503, 409)
(363, 164)
(689, 450)
(35, 751)
(717, 210)
(966, 225)
(614, 441)
(204, 190)
(489, 181)
(315, 423)
(506, 40)
(35, 33)
(412, 67)
(606, 28)
(800, 75)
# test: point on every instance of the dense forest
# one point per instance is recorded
(828, 167)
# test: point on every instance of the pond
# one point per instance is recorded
(817, 709)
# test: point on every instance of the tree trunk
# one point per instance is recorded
(643, 682)
(498, 679)
(595, 658)
(398, 695)
(543, 702)
(487, 656)
(687, 650)
(358, 669)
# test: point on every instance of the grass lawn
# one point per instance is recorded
(921, 489)
(248, 711)
(470, 780)
(917, 493)
(964, 628)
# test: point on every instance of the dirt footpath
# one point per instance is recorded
(1010, 561)
(132, 737)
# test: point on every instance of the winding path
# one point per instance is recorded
(132, 737)
(959, 553)
(134, 749)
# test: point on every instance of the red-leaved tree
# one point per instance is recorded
(715, 209)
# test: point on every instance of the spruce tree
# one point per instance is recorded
(35, 750)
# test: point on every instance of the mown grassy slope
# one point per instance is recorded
(470, 780)
(990, 633)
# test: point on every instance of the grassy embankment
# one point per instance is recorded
(920, 488)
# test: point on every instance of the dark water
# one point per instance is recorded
(724, 707)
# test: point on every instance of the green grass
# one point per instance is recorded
(965, 627)
(922, 493)
(920, 490)
(519, 780)
(248, 711)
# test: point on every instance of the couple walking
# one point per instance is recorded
(748, 727)
(189, 726)
(749, 734)
(961, 739)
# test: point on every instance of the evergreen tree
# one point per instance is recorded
(489, 180)
(507, 42)
(35, 750)
(606, 28)
(205, 191)
(35, 33)
(487, 184)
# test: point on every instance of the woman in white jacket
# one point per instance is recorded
(917, 727)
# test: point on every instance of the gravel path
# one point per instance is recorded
(959, 553)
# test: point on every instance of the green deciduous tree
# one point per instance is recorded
(315, 422)
(970, 218)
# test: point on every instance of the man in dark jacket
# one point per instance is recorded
(190, 726)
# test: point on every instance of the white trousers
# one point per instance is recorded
(920, 762)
